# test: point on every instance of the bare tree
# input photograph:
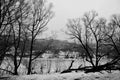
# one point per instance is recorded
(91, 33)
(75, 30)
(5, 28)
(40, 16)
(112, 32)
(18, 31)
(94, 35)
(12, 28)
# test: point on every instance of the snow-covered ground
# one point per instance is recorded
(115, 75)
(53, 65)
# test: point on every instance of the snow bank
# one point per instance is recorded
(115, 75)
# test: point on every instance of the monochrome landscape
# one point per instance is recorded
(60, 40)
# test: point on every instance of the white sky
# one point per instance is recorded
(65, 9)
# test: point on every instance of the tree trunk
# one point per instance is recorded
(2, 57)
(15, 70)
(30, 59)
(15, 63)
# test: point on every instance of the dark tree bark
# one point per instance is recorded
(41, 15)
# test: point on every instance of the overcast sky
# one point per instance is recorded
(65, 9)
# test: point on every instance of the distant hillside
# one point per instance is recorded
(55, 44)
